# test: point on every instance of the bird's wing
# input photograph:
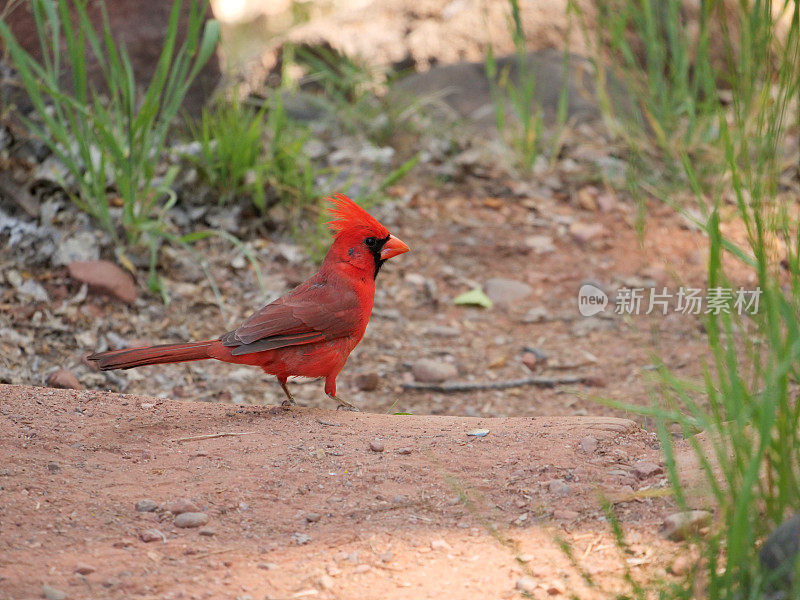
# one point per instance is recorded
(312, 312)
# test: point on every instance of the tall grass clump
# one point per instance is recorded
(352, 91)
(231, 147)
(746, 406)
(111, 138)
(524, 129)
(255, 152)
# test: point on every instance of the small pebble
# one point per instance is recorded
(588, 444)
(367, 382)
(427, 370)
(558, 487)
(478, 432)
(52, 593)
(152, 535)
(405, 451)
(63, 379)
(526, 584)
(301, 538)
(267, 566)
(182, 505)
(146, 506)
(644, 469)
(679, 526)
(84, 569)
(208, 532)
(313, 517)
(506, 291)
(530, 360)
(440, 545)
(191, 519)
(681, 565)
(53, 467)
(556, 588)
(361, 569)
(376, 446)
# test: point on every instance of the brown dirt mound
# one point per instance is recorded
(313, 502)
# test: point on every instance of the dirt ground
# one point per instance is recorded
(311, 502)
(300, 506)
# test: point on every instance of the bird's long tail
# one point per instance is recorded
(152, 355)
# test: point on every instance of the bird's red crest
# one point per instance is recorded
(347, 213)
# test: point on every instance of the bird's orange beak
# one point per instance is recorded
(393, 247)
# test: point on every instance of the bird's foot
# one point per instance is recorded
(289, 402)
(344, 404)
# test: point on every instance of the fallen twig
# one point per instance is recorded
(472, 386)
(328, 423)
(212, 553)
(209, 436)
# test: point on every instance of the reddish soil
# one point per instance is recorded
(301, 506)
(457, 516)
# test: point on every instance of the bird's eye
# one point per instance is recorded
(371, 242)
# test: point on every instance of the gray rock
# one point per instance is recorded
(146, 505)
(52, 170)
(442, 331)
(464, 87)
(191, 519)
(376, 446)
(315, 149)
(80, 246)
(588, 444)
(679, 526)
(52, 593)
(427, 370)
(32, 290)
(301, 538)
(313, 517)
(780, 549)
(506, 291)
(558, 487)
(377, 155)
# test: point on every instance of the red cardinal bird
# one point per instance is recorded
(310, 331)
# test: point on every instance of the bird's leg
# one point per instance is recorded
(344, 403)
(289, 398)
(330, 390)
